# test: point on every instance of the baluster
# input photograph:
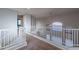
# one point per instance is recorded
(50, 35)
(4, 39)
(63, 36)
(73, 39)
(77, 37)
(72, 36)
(0, 38)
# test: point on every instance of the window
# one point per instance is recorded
(57, 26)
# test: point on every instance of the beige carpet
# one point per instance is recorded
(36, 44)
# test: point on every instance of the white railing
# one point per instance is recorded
(9, 38)
(66, 37)
(72, 35)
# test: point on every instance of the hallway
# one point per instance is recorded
(36, 44)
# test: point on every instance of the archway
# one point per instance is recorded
(57, 26)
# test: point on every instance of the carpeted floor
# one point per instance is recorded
(36, 44)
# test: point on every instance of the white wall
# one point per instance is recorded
(68, 20)
(8, 23)
(27, 23)
(8, 19)
(40, 23)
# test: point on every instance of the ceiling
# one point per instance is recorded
(44, 12)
